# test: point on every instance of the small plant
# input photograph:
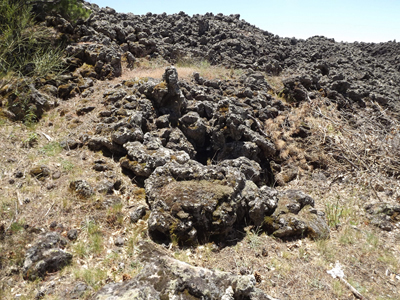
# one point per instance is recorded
(317, 284)
(347, 236)
(71, 10)
(326, 249)
(80, 249)
(95, 238)
(67, 165)
(93, 277)
(31, 140)
(51, 149)
(304, 254)
(16, 227)
(96, 243)
(388, 258)
(372, 240)
(254, 238)
(138, 232)
(27, 55)
(338, 288)
(333, 214)
(114, 215)
(135, 267)
(182, 255)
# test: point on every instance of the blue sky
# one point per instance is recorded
(349, 21)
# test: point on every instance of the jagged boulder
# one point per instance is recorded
(105, 58)
(25, 102)
(295, 216)
(143, 159)
(46, 256)
(195, 129)
(383, 215)
(82, 188)
(167, 96)
(191, 203)
(258, 202)
(163, 277)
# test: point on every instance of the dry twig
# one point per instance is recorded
(352, 289)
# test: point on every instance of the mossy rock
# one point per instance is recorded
(40, 172)
(188, 212)
(87, 71)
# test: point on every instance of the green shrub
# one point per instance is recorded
(27, 56)
(333, 214)
(72, 10)
(25, 48)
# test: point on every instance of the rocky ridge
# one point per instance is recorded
(200, 147)
(345, 72)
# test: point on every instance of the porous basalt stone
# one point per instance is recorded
(191, 203)
(82, 188)
(163, 277)
(45, 256)
(295, 216)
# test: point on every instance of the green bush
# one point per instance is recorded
(28, 55)
(25, 48)
(71, 10)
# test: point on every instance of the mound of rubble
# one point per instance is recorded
(344, 72)
(202, 157)
(199, 147)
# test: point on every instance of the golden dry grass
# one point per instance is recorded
(144, 67)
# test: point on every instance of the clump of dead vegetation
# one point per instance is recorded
(362, 144)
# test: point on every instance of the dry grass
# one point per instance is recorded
(359, 154)
(34, 204)
(155, 68)
(289, 270)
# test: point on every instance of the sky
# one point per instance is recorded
(348, 21)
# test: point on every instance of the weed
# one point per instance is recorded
(111, 258)
(187, 61)
(182, 255)
(114, 215)
(360, 288)
(96, 243)
(92, 277)
(333, 214)
(15, 227)
(138, 232)
(388, 258)
(135, 268)
(254, 238)
(71, 10)
(95, 238)
(326, 249)
(372, 240)
(304, 254)
(80, 248)
(31, 140)
(317, 284)
(347, 236)
(51, 149)
(27, 55)
(337, 287)
(286, 255)
(67, 165)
